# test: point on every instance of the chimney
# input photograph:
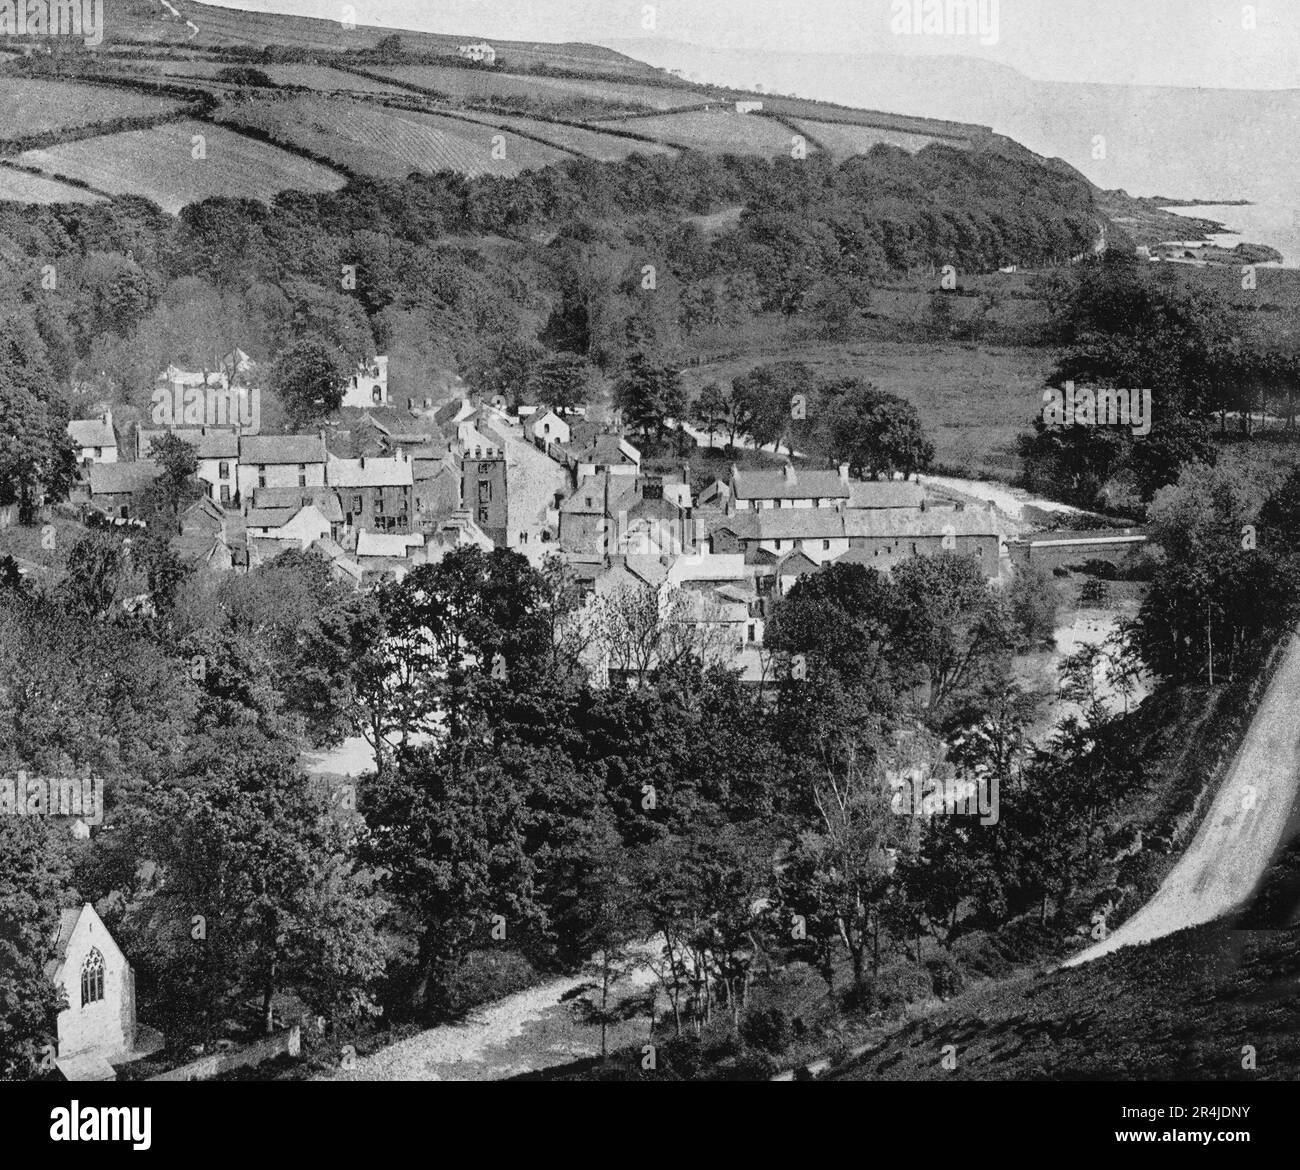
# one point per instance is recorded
(789, 473)
(844, 473)
(107, 417)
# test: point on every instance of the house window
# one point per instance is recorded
(223, 470)
(778, 546)
(99, 452)
(482, 515)
(379, 504)
(376, 395)
(225, 493)
(776, 504)
(751, 631)
(484, 491)
(261, 475)
(357, 505)
(302, 475)
(826, 546)
(92, 977)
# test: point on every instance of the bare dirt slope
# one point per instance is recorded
(1242, 829)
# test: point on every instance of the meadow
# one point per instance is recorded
(21, 187)
(578, 139)
(483, 83)
(719, 131)
(159, 164)
(387, 143)
(28, 107)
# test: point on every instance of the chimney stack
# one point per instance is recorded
(789, 473)
(844, 473)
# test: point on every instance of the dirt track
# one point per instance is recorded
(1243, 827)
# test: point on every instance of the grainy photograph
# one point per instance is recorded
(693, 541)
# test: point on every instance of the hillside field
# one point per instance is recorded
(484, 83)
(718, 131)
(28, 107)
(159, 165)
(386, 143)
(315, 77)
(20, 187)
(580, 140)
(845, 141)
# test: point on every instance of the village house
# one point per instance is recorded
(94, 438)
(605, 454)
(112, 487)
(283, 461)
(879, 537)
(547, 428)
(588, 516)
(376, 494)
(480, 52)
(324, 500)
(205, 537)
(218, 456)
(510, 487)
(299, 524)
(754, 491)
(368, 385)
(386, 555)
(98, 1028)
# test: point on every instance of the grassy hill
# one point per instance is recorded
(1182, 1007)
(132, 22)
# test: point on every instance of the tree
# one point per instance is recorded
(765, 397)
(561, 381)
(506, 369)
(873, 432)
(649, 395)
(179, 463)
(948, 622)
(711, 408)
(453, 842)
(257, 869)
(33, 889)
(309, 379)
(37, 459)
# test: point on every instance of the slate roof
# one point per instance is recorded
(775, 485)
(369, 472)
(877, 493)
(387, 544)
(258, 450)
(92, 432)
(122, 478)
(212, 443)
(324, 500)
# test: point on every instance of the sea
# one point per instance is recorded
(1270, 223)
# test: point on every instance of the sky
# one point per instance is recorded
(1215, 43)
